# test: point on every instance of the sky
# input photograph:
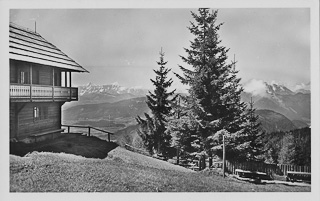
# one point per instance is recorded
(123, 45)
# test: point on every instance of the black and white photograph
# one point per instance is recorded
(169, 99)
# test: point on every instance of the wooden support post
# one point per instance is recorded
(65, 79)
(70, 84)
(89, 130)
(68, 129)
(109, 137)
(224, 157)
(52, 84)
(30, 74)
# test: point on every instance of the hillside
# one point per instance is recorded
(121, 171)
(129, 136)
(272, 121)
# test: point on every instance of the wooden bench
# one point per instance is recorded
(35, 136)
(298, 176)
(251, 174)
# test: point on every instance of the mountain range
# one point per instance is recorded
(296, 106)
(279, 108)
(111, 89)
(94, 94)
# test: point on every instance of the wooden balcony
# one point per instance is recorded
(29, 93)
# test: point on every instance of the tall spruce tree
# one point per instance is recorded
(153, 128)
(214, 90)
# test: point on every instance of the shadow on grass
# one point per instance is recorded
(89, 147)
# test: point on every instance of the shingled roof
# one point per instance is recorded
(26, 45)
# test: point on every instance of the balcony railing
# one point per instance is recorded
(37, 92)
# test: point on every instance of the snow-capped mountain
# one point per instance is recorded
(112, 89)
(110, 93)
(272, 96)
(277, 89)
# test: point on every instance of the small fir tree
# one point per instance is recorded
(287, 152)
(153, 128)
(181, 129)
(252, 136)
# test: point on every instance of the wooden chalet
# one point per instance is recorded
(40, 83)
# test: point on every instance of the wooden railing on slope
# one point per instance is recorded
(89, 129)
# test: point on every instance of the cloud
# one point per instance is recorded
(302, 86)
(255, 87)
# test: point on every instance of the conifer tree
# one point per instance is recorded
(214, 90)
(153, 128)
(252, 136)
(181, 128)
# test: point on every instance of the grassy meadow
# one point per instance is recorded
(120, 171)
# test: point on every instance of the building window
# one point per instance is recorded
(24, 77)
(36, 113)
(40, 113)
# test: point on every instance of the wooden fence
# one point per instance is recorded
(270, 169)
(285, 168)
(89, 129)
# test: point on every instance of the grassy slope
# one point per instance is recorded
(52, 172)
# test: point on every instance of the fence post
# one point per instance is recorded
(224, 157)
(210, 162)
(203, 161)
(177, 155)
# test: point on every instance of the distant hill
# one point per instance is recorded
(129, 136)
(129, 108)
(273, 121)
(299, 124)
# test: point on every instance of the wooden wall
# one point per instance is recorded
(24, 124)
(13, 72)
(13, 120)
